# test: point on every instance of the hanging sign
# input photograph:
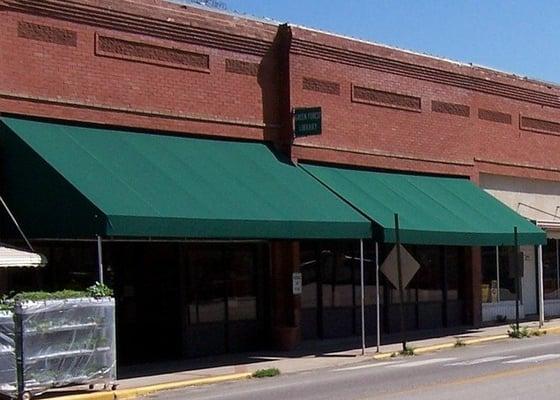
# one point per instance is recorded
(308, 121)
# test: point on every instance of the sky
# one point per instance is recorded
(521, 37)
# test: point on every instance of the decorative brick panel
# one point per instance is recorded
(242, 67)
(494, 116)
(152, 54)
(45, 33)
(460, 110)
(322, 86)
(539, 125)
(387, 99)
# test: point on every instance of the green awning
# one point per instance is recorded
(432, 210)
(75, 181)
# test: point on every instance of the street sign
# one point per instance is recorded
(297, 283)
(408, 264)
(308, 121)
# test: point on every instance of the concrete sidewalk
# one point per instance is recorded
(143, 379)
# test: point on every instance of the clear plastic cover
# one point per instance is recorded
(8, 377)
(65, 342)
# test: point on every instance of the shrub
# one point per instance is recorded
(266, 373)
(518, 333)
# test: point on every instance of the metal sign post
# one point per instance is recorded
(377, 306)
(401, 290)
(541, 286)
(362, 296)
(516, 278)
(100, 259)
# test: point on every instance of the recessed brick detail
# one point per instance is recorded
(45, 33)
(494, 116)
(539, 125)
(242, 67)
(460, 110)
(322, 86)
(388, 99)
(149, 53)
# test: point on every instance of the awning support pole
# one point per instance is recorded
(362, 296)
(100, 259)
(401, 289)
(377, 305)
(16, 224)
(541, 286)
(498, 273)
(516, 278)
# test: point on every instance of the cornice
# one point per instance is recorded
(380, 153)
(422, 72)
(117, 19)
(136, 111)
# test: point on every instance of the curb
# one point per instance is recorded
(554, 329)
(144, 390)
(467, 342)
(449, 345)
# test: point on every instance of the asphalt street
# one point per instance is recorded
(511, 369)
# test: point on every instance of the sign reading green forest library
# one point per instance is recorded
(307, 121)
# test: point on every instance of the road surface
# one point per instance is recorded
(512, 369)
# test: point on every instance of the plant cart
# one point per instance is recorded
(60, 343)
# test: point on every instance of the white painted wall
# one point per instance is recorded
(533, 198)
(529, 281)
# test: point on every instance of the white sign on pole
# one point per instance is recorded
(409, 267)
(297, 283)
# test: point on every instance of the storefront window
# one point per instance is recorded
(428, 280)
(207, 287)
(343, 282)
(328, 275)
(507, 274)
(369, 277)
(498, 282)
(454, 262)
(551, 270)
(242, 296)
(308, 268)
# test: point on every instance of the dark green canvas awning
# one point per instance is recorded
(75, 181)
(432, 210)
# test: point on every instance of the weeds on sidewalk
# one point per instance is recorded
(518, 332)
(266, 373)
(524, 332)
(460, 343)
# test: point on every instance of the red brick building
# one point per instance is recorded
(149, 65)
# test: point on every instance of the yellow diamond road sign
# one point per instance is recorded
(409, 267)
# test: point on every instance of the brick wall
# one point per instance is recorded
(393, 109)
(146, 64)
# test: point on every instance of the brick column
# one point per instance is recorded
(473, 277)
(284, 256)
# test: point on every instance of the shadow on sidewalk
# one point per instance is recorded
(337, 348)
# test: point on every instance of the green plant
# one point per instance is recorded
(459, 343)
(407, 351)
(99, 290)
(42, 296)
(518, 332)
(266, 373)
